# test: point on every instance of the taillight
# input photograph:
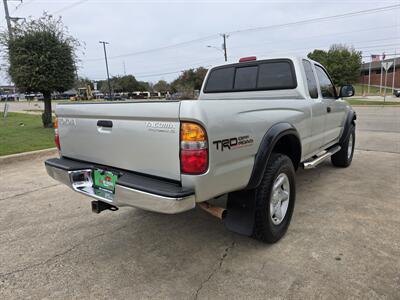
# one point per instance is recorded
(56, 135)
(194, 149)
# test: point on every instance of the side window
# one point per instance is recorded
(326, 85)
(246, 78)
(311, 82)
(220, 80)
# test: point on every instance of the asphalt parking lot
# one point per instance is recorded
(344, 240)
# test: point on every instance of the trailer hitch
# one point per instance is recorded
(99, 206)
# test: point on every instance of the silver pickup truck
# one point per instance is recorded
(254, 124)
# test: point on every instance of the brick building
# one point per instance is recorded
(376, 73)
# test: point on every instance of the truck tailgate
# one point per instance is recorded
(136, 136)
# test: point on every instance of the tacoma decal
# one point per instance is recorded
(67, 121)
(160, 126)
(233, 143)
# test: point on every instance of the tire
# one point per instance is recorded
(270, 228)
(344, 157)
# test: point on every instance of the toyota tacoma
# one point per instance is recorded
(253, 125)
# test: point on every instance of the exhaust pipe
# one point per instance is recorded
(216, 211)
(99, 206)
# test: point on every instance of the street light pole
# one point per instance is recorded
(108, 73)
(223, 49)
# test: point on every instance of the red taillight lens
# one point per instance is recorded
(57, 141)
(194, 149)
(56, 135)
(194, 161)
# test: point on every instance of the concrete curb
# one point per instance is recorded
(7, 159)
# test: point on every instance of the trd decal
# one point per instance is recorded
(233, 143)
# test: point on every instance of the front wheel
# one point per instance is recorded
(275, 199)
(344, 157)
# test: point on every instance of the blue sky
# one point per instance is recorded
(134, 27)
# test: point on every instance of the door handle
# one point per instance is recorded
(105, 123)
(328, 109)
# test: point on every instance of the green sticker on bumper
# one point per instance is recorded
(104, 179)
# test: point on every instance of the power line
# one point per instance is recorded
(252, 45)
(291, 51)
(317, 36)
(69, 6)
(308, 21)
(160, 48)
(218, 60)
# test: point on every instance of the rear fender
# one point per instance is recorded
(241, 204)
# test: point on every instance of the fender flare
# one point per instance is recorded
(350, 120)
(267, 144)
(241, 204)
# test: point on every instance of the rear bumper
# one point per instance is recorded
(131, 189)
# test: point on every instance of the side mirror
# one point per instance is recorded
(346, 91)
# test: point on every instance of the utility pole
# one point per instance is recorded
(8, 18)
(369, 74)
(224, 36)
(108, 73)
(380, 86)
(394, 71)
(9, 28)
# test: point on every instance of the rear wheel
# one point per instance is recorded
(344, 157)
(275, 199)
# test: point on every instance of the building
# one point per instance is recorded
(376, 69)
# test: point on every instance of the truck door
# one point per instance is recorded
(318, 110)
(333, 110)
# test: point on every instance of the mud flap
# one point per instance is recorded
(241, 208)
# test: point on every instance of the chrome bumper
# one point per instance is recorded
(81, 181)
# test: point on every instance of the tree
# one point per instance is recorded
(143, 86)
(128, 83)
(343, 63)
(189, 81)
(162, 86)
(41, 58)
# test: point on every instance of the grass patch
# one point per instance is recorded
(371, 102)
(373, 90)
(21, 132)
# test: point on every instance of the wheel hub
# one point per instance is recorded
(350, 146)
(280, 196)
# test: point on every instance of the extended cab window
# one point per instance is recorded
(277, 75)
(311, 82)
(257, 76)
(326, 85)
(220, 80)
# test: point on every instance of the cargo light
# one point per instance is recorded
(250, 58)
(194, 149)
(56, 135)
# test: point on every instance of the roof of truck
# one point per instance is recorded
(261, 58)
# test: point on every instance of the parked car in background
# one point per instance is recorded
(9, 97)
(396, 92)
